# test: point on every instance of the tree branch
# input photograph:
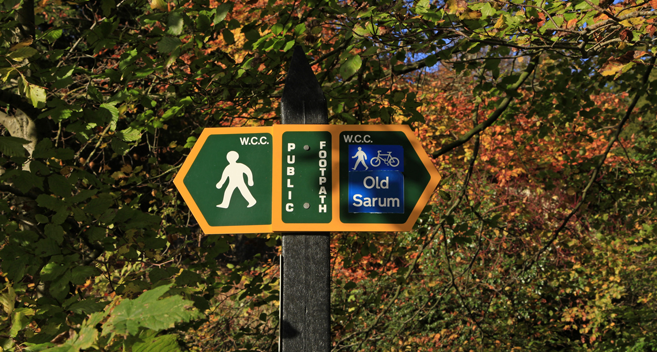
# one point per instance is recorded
(503, 105)
(596, 171)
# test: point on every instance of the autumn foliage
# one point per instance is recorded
(538, 116)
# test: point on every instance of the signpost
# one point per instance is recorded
(307, 178)
(304, 178)
(305, 295)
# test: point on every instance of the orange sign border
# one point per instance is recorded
(336, 225)
(277, 224)
(189, 200)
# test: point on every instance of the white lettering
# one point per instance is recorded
(322, 190)
(357, 138)
(291, 146)
(290, 159)
(322, 144)
(376, 183)
(384, 184)
(322, 154)
(290, 171)
(289, 195)
(322, 163)
(322, 180)
(263, 140)
(322, 208)
(289, 184)
(357, 201)
(322, 198)
(254, 140)
(244, 140)
(289, 207)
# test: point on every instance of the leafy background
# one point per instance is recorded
(538, 116)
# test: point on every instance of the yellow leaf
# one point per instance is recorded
(471, 15)
(500, 23)
(159, 5)
(24, 43)
(5, 72)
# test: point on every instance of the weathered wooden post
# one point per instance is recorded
(305, 262)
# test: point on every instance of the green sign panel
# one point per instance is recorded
(306, 177)
(230, 179)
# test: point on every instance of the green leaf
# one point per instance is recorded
(52, 35)
(22, 53)
(188, 278)
(13, 146)
(8, 299)
(37, 96)
(59, 289)
(129, 134)
(108, 6)
(55, 232)
(165, 343)
(350, 67)
(59, 185)
(46, 247)
(168, 44)
(171, 112)
(221, 12)
(99, 205)
(487, 11)
(431, 60)
(229, 38)
(50, 202)
(148, 311)
(202, 23)
(288, 45)
(80, 274)
(42, 219)
(24, 181)
(87, 306)
(110, 113)
(87, 337)
(18, 322)
(277, 28)
(175, 23)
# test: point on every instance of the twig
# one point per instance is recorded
(596, 171)
(503, 105)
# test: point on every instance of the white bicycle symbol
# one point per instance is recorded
(387, 159)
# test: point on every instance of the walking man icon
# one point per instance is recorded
(234, 173)
(360, 154)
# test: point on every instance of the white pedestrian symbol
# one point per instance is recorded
(360, 154)
(235, 172)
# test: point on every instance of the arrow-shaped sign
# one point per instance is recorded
(307, 178)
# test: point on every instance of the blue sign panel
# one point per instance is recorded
(376, 192)
(372, 157)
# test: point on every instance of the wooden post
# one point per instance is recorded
(305, 263)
